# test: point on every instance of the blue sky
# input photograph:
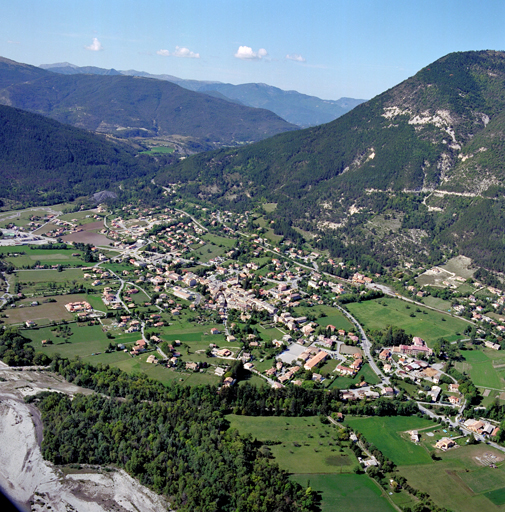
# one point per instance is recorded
(325, 48)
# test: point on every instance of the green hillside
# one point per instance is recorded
(43, 161)
(133, 106)
(428, 151)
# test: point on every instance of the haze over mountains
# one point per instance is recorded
(294, 107)
(430, 149)
(128, 106)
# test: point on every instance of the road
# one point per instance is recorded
(366, 345)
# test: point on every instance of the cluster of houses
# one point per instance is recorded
(481, 427)
(78, 307)
(353, 368)
(283, 373)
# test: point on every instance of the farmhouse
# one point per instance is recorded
(445, 443)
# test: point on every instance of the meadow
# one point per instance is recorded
(480, 365)
(45, 256)
(429, 325)
(349, 493)
(45, 313)
(459, 481)
(90, 343)
(332, 316)
(305, 444)
(385, 433)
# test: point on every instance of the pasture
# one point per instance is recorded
(27, 257)
(385, 432)
(460, 481)
(44, 313)
(306, 445)
(352, 493)
(480, 365)
(325, 315)
(429, 325)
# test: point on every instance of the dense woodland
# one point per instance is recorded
(176, 440)
(46, 162)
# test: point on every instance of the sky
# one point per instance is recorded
(325, 48)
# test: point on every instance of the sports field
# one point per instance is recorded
(349, 493)
(385, 432)
(306, 445)
(428, 324)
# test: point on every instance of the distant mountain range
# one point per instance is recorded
(127, 106)
(294, 107)
(415, 172)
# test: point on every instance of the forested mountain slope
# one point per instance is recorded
(429, 149)
(132, 106)
(300, 109)
(43, 161)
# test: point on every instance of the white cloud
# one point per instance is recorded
(13, 42)
(95, 46)
(247, 53)
(180, 51)
(295, 56)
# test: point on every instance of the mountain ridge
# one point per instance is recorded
(133, 106)
(441, 130)
(297, 108)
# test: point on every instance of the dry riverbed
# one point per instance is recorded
(37, 484)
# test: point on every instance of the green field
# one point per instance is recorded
(460, 481)
(479, 364)
(332, 316)
(345, 382)
(87, 340)
(346, 493)
(317, 451)
(45, 282)
(385, 432)
(428, 325)
(45, 256)
(158, 150)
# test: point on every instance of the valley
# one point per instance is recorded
(298, 320)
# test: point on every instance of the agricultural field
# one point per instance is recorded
(385, 432)
(90, 343)
(349, 493)
(45, 312)
(428, 324)
(306, 445)
(44, 256)
(332, 316)
(462, 480)
(46, 282)
(158, 150)
(485, 367)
